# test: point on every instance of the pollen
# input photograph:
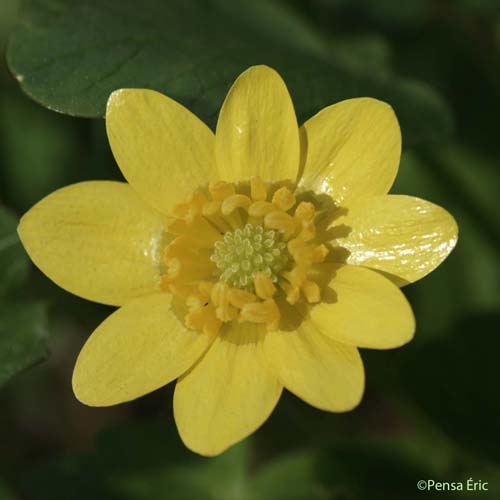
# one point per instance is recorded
(244, 252)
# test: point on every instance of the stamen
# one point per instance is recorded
(266, 312)
(176, 226)
(188, 211)
(211, 208)
(239, 298)
(261, 208)
(233, 254)
(264, 286)
(201, 315)
(221, 190)
(311, 291)
(258, 189)
(284, 199)
(231, 203)
(292, 293)
(305, 211)
(280, 220)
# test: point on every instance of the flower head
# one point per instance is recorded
(245, 261)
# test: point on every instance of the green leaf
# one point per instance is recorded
(69, 55)
(23, 335)
(40, 150)
(14, 263)
(363, 52)
(387, 13)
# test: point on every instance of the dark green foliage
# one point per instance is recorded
(193, 51)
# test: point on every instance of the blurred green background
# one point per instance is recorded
(432, 408)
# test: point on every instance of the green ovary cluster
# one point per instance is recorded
(244, 252)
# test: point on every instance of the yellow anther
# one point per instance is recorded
(279, 220)
(296, 244)
(258, 189)
(311, 291)
(191, 209)
(203, 318)
(226, 312)
(230, 204)
(239, 298)
(261, 208)
(264, 286)
(202, 233)
(319, 254)
(266, 312)
(197, 201)
(176, 226)
(218, 294)
(194, 302)
(210, 208)
(180, 271)
(297, 275)
(221, 190)
(305, 211)
(177, 248)
(292, 294)
(284, 199)
(308, 231)
(303, 252)
(220, 298)
(304, 255)
(304, 214)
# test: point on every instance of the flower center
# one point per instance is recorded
(243, 253)
(238, 251)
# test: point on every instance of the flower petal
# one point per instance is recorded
(228, 394)
(363, 308)
(137, 349)
(257, 131)
(352, 149)
(324, 373)
(95, 239)
(403, 236)
(162, 149)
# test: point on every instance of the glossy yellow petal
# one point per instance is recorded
(228, 394)
(352, 149)
(257, 131)
(162, 149)
(137, 349)
(403, 236)
(363, 308)
(324, 373)
(98, 240)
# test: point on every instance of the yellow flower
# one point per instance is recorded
(243, 262)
